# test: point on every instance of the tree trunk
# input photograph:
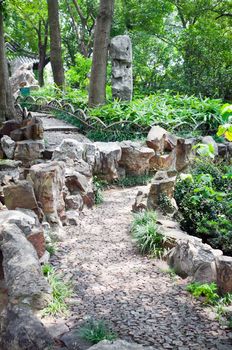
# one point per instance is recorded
(97, 90)
(55, 43)
(7, 110)
(42, 47)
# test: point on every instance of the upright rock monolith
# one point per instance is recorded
(121, 55)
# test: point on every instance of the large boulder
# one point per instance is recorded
(224, 274)
(108, 154)
(135, 158)
(48, 182)
(193, 258)
(30, 129)
(21, 330)
(183, 153)
(8, 146)
(29, 150)
(69, 149)
(119, 345)
(21, 195)
(163, 161)
(161, 140)
(24, 280)
(161, 185)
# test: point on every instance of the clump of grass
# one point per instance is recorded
(60, 292)
(96, 331)
(98, 187)
(131, 181)
(146, 235)
(50, 247)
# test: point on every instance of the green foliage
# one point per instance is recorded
(208, 291)
(60, 292)
(205, 150)
(78, 75)
(146, 236)
(177, 113)
(131, 181)
(96, 331)
(205, 202)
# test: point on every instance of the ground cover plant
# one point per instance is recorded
(146, 235)
(204, 198)
(60, 292)
(96, 331)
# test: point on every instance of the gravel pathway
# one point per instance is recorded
(113, 282)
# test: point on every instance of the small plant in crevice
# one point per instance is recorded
(98, 187)
(95, 331)
(208, 291)
(51, 249)
(131, 181)
(146, 235)
(60, 292)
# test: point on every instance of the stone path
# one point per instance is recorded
(113, 282)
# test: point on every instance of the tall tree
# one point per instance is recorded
(7, 110)
(97, 90)
(55, 43)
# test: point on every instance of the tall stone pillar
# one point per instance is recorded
(122, 79)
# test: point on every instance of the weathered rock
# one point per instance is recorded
(8, 146)
(193, 258)
(119, 345)
(135, 158)
(20, 195)
(48, 183)
(183, 153)
(163, 161)
(73, 340)
(224, 274)
(82, 167)
(106, 164)
(222, 150)
(21, 330)
(140, 202)
(29, 150)
(76, 182)
(158, 188)
(208, 140)
(122, 79)
(69, 149)
(74, 202)
(89, 153)
(23, 77)
(160, 140)
(22, 271)
(9, 171)
(9, 126)
(30, 129)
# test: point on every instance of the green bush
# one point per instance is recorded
(78, 76)
(205, 202)
(146, 236)
(208, 291)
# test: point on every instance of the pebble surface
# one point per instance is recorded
(113, 282)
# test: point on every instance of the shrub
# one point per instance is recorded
(130, 181)
(96, 331)
(98, 186)
(146, 236)
(205, 202)
(208, 291)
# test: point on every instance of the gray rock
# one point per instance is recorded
(158, 188)
(73, 341)
(224, 273)
(106, 163)
(25, 282)
(72, 217)
(193, 258)
(8, 146)
(26, 220)
(119, 345)
(29, 150)
(21, 330)
(135, 157)
(76, 182)
(23, 75)
(68, 149)
(74, 202)
(122, 79)
(9, 171)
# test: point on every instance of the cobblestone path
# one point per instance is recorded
(113, 282)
